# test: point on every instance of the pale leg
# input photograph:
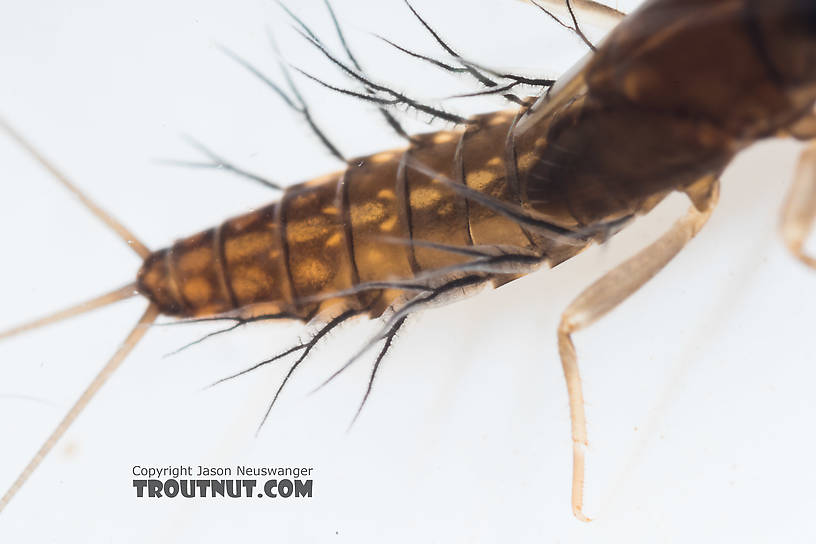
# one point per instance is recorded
(592, 12)
(604, 295)
(799, 211)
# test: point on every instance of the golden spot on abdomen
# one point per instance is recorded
(380, 158)
(313, 272)
(197, 290)
(194, 261)
(309, 229)
(526, 160)
(447, 209)
(247, 245)
(444, 137)
(334, 240)
(389, 224)
(424, 197)
(249, 281)
(480, 179)
(386, 194)
(368, 212)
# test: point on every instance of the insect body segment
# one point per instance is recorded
(332, 234)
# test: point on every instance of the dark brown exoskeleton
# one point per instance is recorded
(664, 104)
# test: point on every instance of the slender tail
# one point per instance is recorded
(116, 295)
(122, 293)
(107, 371)
(92, 207)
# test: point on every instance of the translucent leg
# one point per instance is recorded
(799, 211)
(592, 12)
(604, 295)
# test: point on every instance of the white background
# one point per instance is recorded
(699, 388)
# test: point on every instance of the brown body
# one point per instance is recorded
(669, 98)
(666, 102)
(332, 234)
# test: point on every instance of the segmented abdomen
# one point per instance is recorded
(361, 225)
